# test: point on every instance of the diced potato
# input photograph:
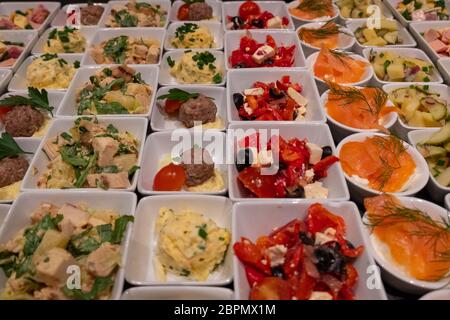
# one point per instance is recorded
(116, 96)
(395, 71)
(379, 70)
(389, 24)
(391, 37)
(421, 63)
(125, 161)
(410, 108)
(20, 21)
(369, 34)
(346, 11)
(51, 239)
(378, 42)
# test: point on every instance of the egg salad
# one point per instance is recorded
(191, 35)
(189, 244)
(196, 67)
(66, 40)
(50, 72)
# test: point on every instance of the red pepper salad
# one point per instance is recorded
(274, 101)
(301, 164)
(303, 260)
(252, 54)
(250, 16)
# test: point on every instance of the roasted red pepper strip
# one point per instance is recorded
(293, 259)
(345, 248)
(319, 219)
(250, 254)
(263, 186)
(253, 275)
(321, 167)
(303, 284)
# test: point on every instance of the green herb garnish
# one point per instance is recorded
(37, 99)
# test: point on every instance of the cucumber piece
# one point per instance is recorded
(431, 151)
(436, 107)
(391, 37)
(444, 177)
(440, 137)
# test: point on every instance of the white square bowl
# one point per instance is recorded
(392, 5)
(241, 79)
(27, 37)
(4, 209)
(160, 121)
(400, 127)
(254, 219)
(8, 7)
(177, 293)
(282, 38)
(418, 28)
(277, 8)
(444, 66)
(447, 201)
(149, 75)
(385, 12)
(165, 79)
(165, 4)
(124, 203)
(435, 77)
(109, 33)
(161, 144)
(215, 5)
(299, 21)
(317, 133)
(19, 81)
(60, 18)
(403, 34)
(214, 27)
(140, 268)
(436, 191)
(136, 126)
(28, 145)
(38, 49)
(5, 76)
(54, 99)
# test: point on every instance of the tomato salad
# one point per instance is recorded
(252, 54)
(302, 260)
(250, 16)
(301, 164)
(273, 101)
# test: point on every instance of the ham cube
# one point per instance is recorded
(446, 36)
(438, 46)
(431, 35)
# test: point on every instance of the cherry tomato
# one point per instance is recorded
(172, 106)
(271, 288)
(249, 8)
(169, 178)
(183, 12)
(4, 111)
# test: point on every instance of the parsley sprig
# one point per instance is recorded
(9, 147)
(178, 94)
(37, 99)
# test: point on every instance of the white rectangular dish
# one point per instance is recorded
(435, 77)
(419, 28)
(149, 75)
(317, 133)
(444, 67)
(403, 34)
(140, 268)
(27, 37)
(166, 145)
(166, 79)
(385, 12)
(136, 126)
(177, 293)
(5, 76)
(106, 34)
(241, 79)
(215, 5)
(165, 4)
(214, 27)
(160, 121)
(7, 8)
(28, 145)
(60, 18)
(124, 203)
(392, 5)
(19, 81)
(282, 38)
(254, 219)
(4, 209)
(277, 8)
(88, 34)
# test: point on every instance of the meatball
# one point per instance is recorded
(200, 11)
(12, 170)
(91, 14)
(198, 165)
(23, 121)
(201, 109)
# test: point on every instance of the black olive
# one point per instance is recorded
(306, 238)
(240, 65)
(244, 159)
(282, 166)
(326, 151)
(238, 100)
(278, 272)
(329, 259)
(269, 61)
(258, 23)
(296, 193)
(276, 93)
(237, 22)
(350, 245)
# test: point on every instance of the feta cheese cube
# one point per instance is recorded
(276, 255)
(263, 53)
(247, 108)
(315, 191)
(254, 92)
(328, 235)
(320, 295)
(309, 175)
(265, 158)
(297, 97)
(275, 23)
(315, 152)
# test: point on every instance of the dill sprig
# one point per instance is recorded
(322, 7)
(328, 29)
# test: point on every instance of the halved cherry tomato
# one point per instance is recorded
(263, 186)
(249, 8)
(183, 12)
(169, 178)
(4, 111)
(252, 255)
(319, 219)
(172, 106)
(271, 288)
